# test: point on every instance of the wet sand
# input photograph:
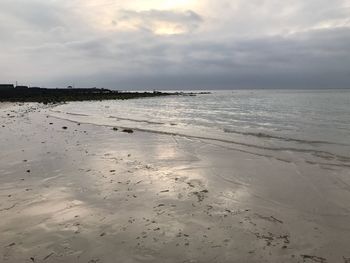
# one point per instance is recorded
(87, 193)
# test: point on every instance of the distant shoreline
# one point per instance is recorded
(44, 95)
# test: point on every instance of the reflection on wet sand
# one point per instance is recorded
(97, 195)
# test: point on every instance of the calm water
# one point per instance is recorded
(310, 125)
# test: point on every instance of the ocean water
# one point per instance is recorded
(290, 125)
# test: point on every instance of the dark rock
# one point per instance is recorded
(49, 95)
(128, 130)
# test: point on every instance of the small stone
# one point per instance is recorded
(128, 130)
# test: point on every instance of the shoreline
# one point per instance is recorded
(58, 95)
(88, 193)
(313, 151)
(46, 96)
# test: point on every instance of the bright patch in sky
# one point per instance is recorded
(105, 15)
(159, 4)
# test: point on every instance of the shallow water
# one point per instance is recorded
(310, 125)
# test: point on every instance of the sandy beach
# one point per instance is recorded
(77, 192)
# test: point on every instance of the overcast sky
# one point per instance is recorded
(185, 44)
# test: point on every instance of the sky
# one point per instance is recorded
(184, 44)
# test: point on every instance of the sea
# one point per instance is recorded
(311, 126)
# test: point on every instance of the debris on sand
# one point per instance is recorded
(8, 208)
(313, 258)
(49, 255)
(270, 218)
(115, 129)
(64, 128)
(128, 130)
(201, 195)
(11, 245)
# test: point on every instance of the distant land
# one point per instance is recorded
(12, 93)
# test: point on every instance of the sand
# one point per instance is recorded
(93, 194)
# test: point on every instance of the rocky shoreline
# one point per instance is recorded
(44, 95)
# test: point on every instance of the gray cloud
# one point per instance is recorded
(32, 14)
(52, 44)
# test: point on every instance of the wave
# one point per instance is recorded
(288, 139)
(136, 120)
(71, 113)
(77, 114)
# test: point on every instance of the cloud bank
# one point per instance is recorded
(182, 45)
